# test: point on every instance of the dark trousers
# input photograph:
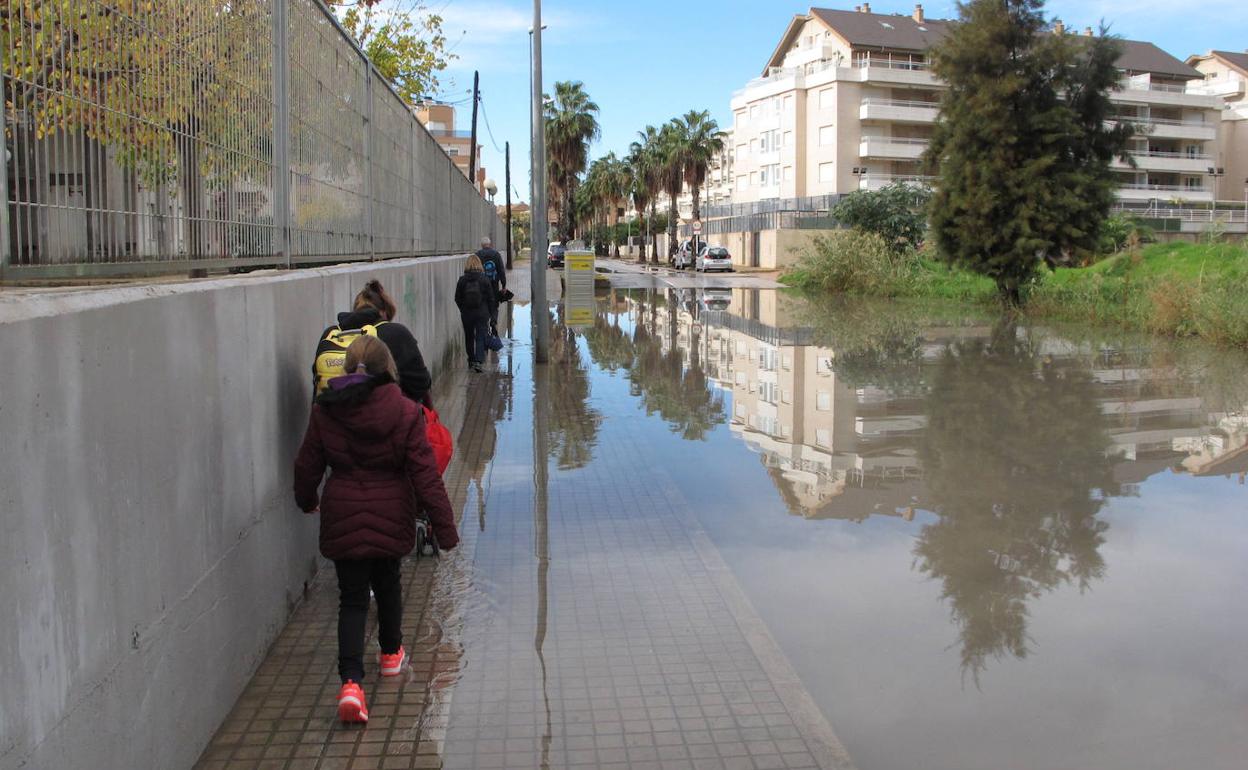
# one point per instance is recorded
(475, 329)
(354, 578)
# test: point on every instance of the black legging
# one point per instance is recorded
(354, 578)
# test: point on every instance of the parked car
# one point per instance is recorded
(684, 256)
(713, 258)
(716, 299)
(554, 255)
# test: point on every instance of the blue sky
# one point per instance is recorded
(645, 61)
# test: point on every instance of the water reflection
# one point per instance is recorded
(1016, 491)
(573, 428)
(1004, 443)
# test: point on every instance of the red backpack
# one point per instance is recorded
(439, 438)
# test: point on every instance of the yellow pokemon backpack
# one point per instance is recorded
(331, 353)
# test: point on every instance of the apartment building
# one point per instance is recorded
(1226, 77)
(847, 101)
(440, 120)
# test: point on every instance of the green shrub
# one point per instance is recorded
(856, 262)
(897, 213)
(1123, 230)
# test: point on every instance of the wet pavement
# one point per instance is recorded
(777, 533)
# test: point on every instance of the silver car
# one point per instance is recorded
(713, 258)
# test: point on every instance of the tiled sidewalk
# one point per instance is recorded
(590, 626)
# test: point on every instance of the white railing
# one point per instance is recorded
(1160, 154)
(877, 102)
(896, 64)
(1148, 85)
(1161, 122)
(1164, 188)
(897, 140)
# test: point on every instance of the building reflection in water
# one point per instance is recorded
(1004, 442)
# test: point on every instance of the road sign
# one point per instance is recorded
(697, 227)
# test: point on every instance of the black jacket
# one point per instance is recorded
(500, 269)
(414, 377)
(489, 300)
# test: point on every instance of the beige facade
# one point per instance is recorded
(440, 120)
(848, 102)
(1226, 77)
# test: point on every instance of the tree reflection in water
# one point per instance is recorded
(573, 422)
(1016, 466)
(681, 395)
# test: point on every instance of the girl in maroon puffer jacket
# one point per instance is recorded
(382, 469)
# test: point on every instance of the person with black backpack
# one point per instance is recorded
(492, 264)
(477, 303)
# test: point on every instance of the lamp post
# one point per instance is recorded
(537, 176)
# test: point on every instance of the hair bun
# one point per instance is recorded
(373, 285)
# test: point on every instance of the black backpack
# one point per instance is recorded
(473, 297)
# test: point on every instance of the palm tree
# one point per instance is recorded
(646, 158)
(571, 124)
(701, 141)
(672, 142)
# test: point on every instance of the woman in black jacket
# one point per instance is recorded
(373, 307)
(477, 303)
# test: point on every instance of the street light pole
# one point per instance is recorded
(537, 176)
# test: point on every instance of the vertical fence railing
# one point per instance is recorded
(146, 138)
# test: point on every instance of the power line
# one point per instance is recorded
(488, 130)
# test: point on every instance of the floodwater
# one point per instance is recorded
(978, 545)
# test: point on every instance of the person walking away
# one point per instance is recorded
(372, 313)
(382, 470)
(492, 264)
(474, 296)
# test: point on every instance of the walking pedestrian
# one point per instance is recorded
(477, 303)
(383, 471)
(372, 313)
(492, 264)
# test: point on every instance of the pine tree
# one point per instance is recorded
(1022, 149)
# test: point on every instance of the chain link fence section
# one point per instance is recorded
(158, 137)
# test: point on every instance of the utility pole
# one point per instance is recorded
(507, 182)
(472, 148)
(537, 176)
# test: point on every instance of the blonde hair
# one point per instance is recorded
(474, 265)
(373, 355)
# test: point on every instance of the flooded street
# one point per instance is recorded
(976, 545)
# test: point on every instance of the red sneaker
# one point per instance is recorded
(351, 706)
(392, 665)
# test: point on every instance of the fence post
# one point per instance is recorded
(281, 127)
(368, 157)
(5, 245)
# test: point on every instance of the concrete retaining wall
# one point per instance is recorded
(151, 549)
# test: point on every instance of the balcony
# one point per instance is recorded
(1175, 162)
(891, 147)
(899, 111)
(1224, 87)
(1164, 128)
(880, 181)
(1141, 90)
(894, 72)
(1164, 192)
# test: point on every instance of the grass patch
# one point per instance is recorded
(1174, 289)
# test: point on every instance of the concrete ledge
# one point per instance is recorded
(151, 547)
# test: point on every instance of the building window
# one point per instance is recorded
(769, 175)
(753, 112)
(743, 182)
(788, 173)
(827, 98)
(823, 437)
(741, 148)
(753, 179)
(827, 136)
(827, 172)
(823, 401)
(787, 139)
(788, 103)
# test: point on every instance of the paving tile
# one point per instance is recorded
(583, 629)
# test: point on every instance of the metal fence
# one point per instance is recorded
(146, 137)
